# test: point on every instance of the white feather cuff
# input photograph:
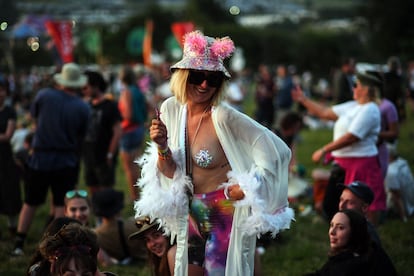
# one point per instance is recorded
(162, 198)
(260, 220)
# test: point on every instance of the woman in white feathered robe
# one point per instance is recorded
(259, 161)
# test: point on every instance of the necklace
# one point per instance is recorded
(201, 162)
(198, 127)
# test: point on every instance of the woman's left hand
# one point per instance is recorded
(234, 192)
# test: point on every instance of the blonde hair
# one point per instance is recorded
(374, 93)
(178, 86)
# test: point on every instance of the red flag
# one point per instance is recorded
(147, 43)
(61, 32)
(179, 29)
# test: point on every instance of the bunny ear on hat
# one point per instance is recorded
(205, 53)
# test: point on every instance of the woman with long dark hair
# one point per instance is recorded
(351, 251)
(161, 252)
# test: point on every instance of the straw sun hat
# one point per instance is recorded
(71, 76)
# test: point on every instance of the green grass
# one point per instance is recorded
(301, 249)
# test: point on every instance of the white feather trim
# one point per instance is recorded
(259, 221)
(168, 200)
(165, 200)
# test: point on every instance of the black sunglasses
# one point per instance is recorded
(213, 79)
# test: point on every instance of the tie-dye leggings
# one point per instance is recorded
(210, 221)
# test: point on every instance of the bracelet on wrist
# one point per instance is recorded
(165, 155)
(227, 195)
(226, 192)
(163, 150)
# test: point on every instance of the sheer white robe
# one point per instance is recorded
(259, 161)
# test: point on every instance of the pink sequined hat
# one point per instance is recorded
(205, 53)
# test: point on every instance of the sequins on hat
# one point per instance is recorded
(205, 53)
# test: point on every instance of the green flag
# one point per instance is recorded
(92, 41)
(173, 47)
(134, 41)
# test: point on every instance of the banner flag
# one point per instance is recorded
(135, 41)
(179, 29)
(174, 49)
(91, 39)
(61, 33)
(147, 44)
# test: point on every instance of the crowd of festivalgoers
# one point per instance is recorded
(100, 130)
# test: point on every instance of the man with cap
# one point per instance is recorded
(358, 196)
(61, 118)
(114, 230)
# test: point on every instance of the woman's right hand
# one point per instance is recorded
(158, 133)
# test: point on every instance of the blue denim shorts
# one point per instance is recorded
(132, 140)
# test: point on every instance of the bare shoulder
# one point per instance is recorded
(171, 252)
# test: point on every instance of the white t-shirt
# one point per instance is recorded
(363, 121)
(399, 177)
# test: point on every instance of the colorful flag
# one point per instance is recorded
(91, 39)
(61, 33)
(135, 40)
(174, 49)
(147, 45)
(179, 29)
(30, 25)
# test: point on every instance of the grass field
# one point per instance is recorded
(296, 251)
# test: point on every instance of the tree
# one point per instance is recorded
(8, 14)
(390, 27)
(208, 12)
